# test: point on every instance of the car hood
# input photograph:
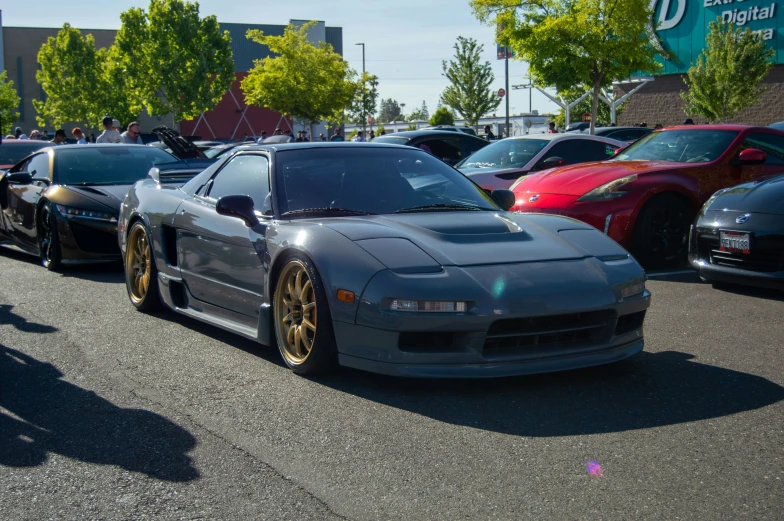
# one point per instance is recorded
(582, 178)
(765, 196)
(110, 196)
(465, 238)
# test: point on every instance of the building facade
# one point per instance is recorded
(232, 118)
(682, 31)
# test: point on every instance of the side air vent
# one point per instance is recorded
(170, 244)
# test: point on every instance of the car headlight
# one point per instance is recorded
(430, 306)
(88, 214)
(632, 290)
(608, 190)
(712, 199)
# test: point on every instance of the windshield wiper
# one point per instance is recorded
(447, 207)
(341, 211)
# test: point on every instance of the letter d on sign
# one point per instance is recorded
(664, 23)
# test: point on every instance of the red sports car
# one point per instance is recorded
(648, 194)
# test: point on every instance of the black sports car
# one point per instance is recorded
(383, 258)
(450, 147)
(738, 236)
(62, 203)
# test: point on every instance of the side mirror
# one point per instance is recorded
(552, 162)
(240, 206)
(752, 156)
(19, 178)
(504, 198)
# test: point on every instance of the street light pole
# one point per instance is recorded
(364, 117)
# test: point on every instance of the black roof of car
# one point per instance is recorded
(320, 144)
(427, 132)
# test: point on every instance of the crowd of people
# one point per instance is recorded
(112, 133)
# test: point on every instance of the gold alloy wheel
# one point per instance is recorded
(295, 312)
(137, 264)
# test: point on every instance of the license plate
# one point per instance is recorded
(735, 242)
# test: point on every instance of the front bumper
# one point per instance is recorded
(613, 217)
(87, 239)
(528, 318)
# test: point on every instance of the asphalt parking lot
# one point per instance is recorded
(107, 413)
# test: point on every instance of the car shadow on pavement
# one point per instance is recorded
(103, 271)
(751, 291)
(650, 390)
(40, 414)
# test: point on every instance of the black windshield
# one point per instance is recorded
(679, 146)
(507, 153)
(106, 165)
(372, 180)
(12, 154)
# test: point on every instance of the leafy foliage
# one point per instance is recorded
(569, 43)
(82, 83)
(364, 102)
(389, 111)
(469, 92)
(301, 80)
(176, 61)
(442, 116)
(726, 77)
(9, 103)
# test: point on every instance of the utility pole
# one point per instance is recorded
(364, 116)
(506, 86)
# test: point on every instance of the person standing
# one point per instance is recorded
(109, 135)
(59, 137)
(262, 137)
(372, 135)
(19, 134)
(321, 137)
(489, 133)
(336, 136)
(132, 136)
(78, 136)
(300, 137)
(359, 138)
(551, 128)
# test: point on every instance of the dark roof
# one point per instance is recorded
(322, 144)
(427, 132)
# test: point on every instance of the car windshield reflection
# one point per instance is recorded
(679, 146)
(508, 153)
(372, 181)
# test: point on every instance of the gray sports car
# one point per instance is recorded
(382, 258)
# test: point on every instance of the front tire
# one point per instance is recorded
(49, 239)
(303, 323)
(662, 231)
(141, 275)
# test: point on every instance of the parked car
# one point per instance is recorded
(62, 203)
(220, 150)
(627, 134)
(503, 162)
(778, 126)
(14, 150)
(449, 147)
(452, 128)
(646, 197)
(337, 254)
(738, 236)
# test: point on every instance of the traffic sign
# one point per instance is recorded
(501, 93)
(587, 117)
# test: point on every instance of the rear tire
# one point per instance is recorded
(303, 323)
(49, 239)
(141, 275)
(661, 232)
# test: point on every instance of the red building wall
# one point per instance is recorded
(233, 119)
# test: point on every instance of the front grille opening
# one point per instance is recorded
(95, 241)
(629, 323)
(426, 341)
(548, 332)
(767, 253)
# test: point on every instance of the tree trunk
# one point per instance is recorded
(597, 83)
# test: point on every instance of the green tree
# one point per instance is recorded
(9, 104)
(469, 91)
(389, 111)
(442, 116)
(569, 43)
(176, 61)
(364, 102)
(420, 114)
(726, 77)
(301, 80)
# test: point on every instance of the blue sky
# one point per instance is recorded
(405, 40)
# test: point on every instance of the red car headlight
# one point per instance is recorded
(608, 190)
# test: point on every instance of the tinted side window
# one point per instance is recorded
(447, 150)
(771, 144)
(472, 145)
(245, 174)
(579, 151)
(626, 135)
(38, 166)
